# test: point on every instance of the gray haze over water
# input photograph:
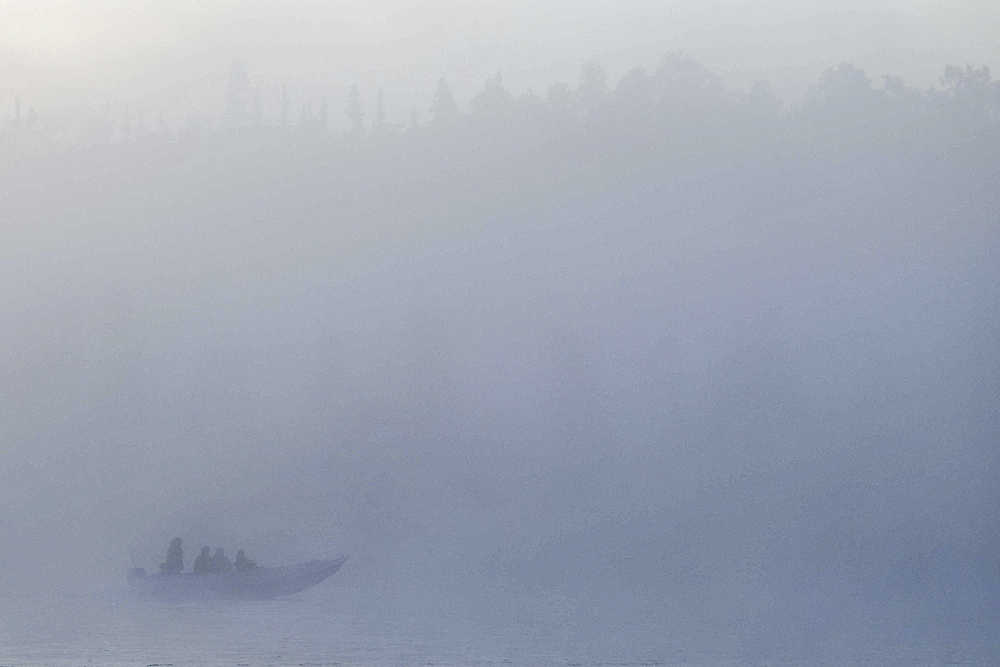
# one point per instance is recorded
(663, 364)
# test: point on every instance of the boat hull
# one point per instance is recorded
(260, 583)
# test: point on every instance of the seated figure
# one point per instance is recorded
(203, 563)
(221, 564)
(243, 563)
(175, 558)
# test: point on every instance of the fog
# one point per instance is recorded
(640, 337)
(171, 57)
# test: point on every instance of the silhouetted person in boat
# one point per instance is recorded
(220, 563)
(203, 563)
(243, 563)
(175, 558)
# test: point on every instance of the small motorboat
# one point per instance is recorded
(258, 583)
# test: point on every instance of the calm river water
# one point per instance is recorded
(330, 625)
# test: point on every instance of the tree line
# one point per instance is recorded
(678, 99)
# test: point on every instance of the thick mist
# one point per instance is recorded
(633, 356)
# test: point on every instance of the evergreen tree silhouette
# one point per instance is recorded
(354, 113)
(593, 85)
(239, 95)
(494, 99)
(443, 108)
(284, 105)
(379, 123)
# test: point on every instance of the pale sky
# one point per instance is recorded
(156, 54)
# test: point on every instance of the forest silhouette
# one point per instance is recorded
(663, 112)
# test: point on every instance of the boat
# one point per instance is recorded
(258, 583)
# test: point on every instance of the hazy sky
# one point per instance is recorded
(152, 54)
